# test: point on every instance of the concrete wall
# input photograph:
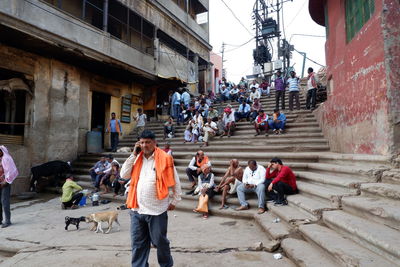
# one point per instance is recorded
(60, 24)
(356, 116)
(59, 112)
(391, 35)
(170, 26)
(216, 60)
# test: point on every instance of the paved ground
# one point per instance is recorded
(39, 237)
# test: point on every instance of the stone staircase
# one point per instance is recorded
(346, 214)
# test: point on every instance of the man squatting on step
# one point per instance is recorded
(152, 173)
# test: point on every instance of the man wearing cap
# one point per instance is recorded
(281, 180)
(229, 122)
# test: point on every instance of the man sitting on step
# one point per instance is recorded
(252, 182)
(278, 122)
(261, 123)
(229, 183)
(282, 181)
(243, 112)
(229, 122)
(210, 129)
(194, 169)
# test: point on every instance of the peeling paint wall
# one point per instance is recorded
(59, 113)
(356, 118)
(391, 34)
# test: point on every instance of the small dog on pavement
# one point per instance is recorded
(97, 218)
(73, 221)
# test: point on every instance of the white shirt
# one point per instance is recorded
(256, 85)
(228, 118)
(256, 94)
(212, 127)
(254, 177)
(141, 119)
(146, 190)
(193, 162)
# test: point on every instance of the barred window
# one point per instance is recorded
(358, 12)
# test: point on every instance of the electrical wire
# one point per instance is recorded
(313, 61)
(233, 49)
(298, 12)
(234, 15)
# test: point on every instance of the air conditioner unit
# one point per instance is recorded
(278, 64)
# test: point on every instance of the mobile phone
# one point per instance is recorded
(138, 150)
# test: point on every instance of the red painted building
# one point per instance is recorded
(362, 113)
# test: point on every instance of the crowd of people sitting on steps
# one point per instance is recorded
(204, 121)
(270, 184)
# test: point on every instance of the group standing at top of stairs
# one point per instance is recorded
(345, 214)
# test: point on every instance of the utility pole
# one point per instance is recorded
(279, 27)
(222, 55)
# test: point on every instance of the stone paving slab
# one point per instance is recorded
(38, 235)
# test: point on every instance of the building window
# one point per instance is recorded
(115, 18)
(358, 12)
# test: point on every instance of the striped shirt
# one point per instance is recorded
(293, 84)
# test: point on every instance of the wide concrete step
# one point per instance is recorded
(391, 191)
(292, 215)
(335, 180)
(379, 238)
(306, 255)
(332, 194)
(391, 176)
(265, 148)
(341, 248)
(380, 210)
(287, 135)
(347, 171)
(314, 206)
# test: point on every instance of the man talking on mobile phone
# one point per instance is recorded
(153, 174)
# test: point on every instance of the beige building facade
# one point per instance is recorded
(65, 65)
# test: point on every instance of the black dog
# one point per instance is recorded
(73, 221)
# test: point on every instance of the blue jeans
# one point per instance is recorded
(242, 115)
(259, 190)
(276, 126)
(146, 229)
(176, 109)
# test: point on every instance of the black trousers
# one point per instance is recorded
(311, 97)
(280, 94)
(192, 175)
(146, 229)
(76, 198)
(114, 140)
(294, 96)
(282, 189)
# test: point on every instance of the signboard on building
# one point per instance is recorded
(202, 18)
(126, 108)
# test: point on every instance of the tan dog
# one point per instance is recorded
(124, 149)
(97, 218)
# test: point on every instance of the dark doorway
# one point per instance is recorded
(100, 102)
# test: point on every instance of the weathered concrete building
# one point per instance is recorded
(65, 65)
(362, 113)
(216, 61)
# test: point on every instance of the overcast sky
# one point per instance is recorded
(239, 62)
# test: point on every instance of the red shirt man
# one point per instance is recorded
(282, 180)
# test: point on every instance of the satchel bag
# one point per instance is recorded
(203, 204)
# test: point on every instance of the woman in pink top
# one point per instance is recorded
(8, 172)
